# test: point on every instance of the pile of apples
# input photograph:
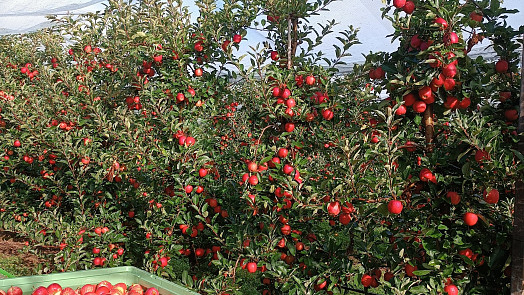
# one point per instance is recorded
(102, 288)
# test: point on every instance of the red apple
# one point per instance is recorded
(451, 289)
(87, 288)
(68, 291)
(366, 280)
(449, 70)
(152, 291)
(442, 23)
(409, 7)
(409, 269)
(419, 106)
(327, 114)
(399, 3)
(476, 16)
(395, 206)
(333, 208)
(38, 291)
(289, 127)
(501, 66)
(253, 180)
(470, 218)
(282, 153)
(454, 197)
(252, 267)
(409, 99)
(54, 288)
(287, 169)
(401, 110)
(237, 38)
(491, 197)
(511, 115)
(310, 80)
(14, 291)
(286, 229)
(451, 38)
(17, 143)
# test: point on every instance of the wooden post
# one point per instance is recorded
(517, 255)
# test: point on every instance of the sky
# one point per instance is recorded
(19, 16)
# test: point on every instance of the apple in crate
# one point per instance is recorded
(54, 289)
(68, 291)
(41, 291)
(119, 288)
(150, 291)
(14, 291)
(136, 289)
(106, 284)
(2, 292)
(87, 289)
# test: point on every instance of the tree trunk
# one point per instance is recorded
(429, 128)
(517, 256)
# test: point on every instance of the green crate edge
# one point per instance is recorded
(124, 274)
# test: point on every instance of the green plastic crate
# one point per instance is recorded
(124, 274)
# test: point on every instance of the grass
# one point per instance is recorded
(15, 266)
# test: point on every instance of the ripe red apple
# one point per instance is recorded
(237, 38)
(481, 156)
(344, 218)
(419, 106)
(289, 127)
(451, 289)
(401, 110)
(451, 38)
(426, 94)
(285, 229)
(379, 73)
(511, 115)
(252, 267)
(327, 114)
(470, 218)
(415, 41)
(253, 180)
(442, 23)
(366, 280)
(464, 104)
(409, 7)
(310, 80)
(38, 291)
(476, 16)
(333, 208)
(202, 172)
(388, 276)
(87, 288)
(491, 197)
(449, 70)
(14, 290)
(426, 175)
(17, 143)
(291, 103)
(287, 169)
(102, 290)
(451, 102)
(409, 269)
(409, 99)
(399, 3)
(252, 167)
(449, 84)
(501, 66)
(152, 291)
(199, 72)
(274, 55)
(87, 49)
(395, 206)
(282, 153)
(504, 95)
(454, 197)
(68, 291)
